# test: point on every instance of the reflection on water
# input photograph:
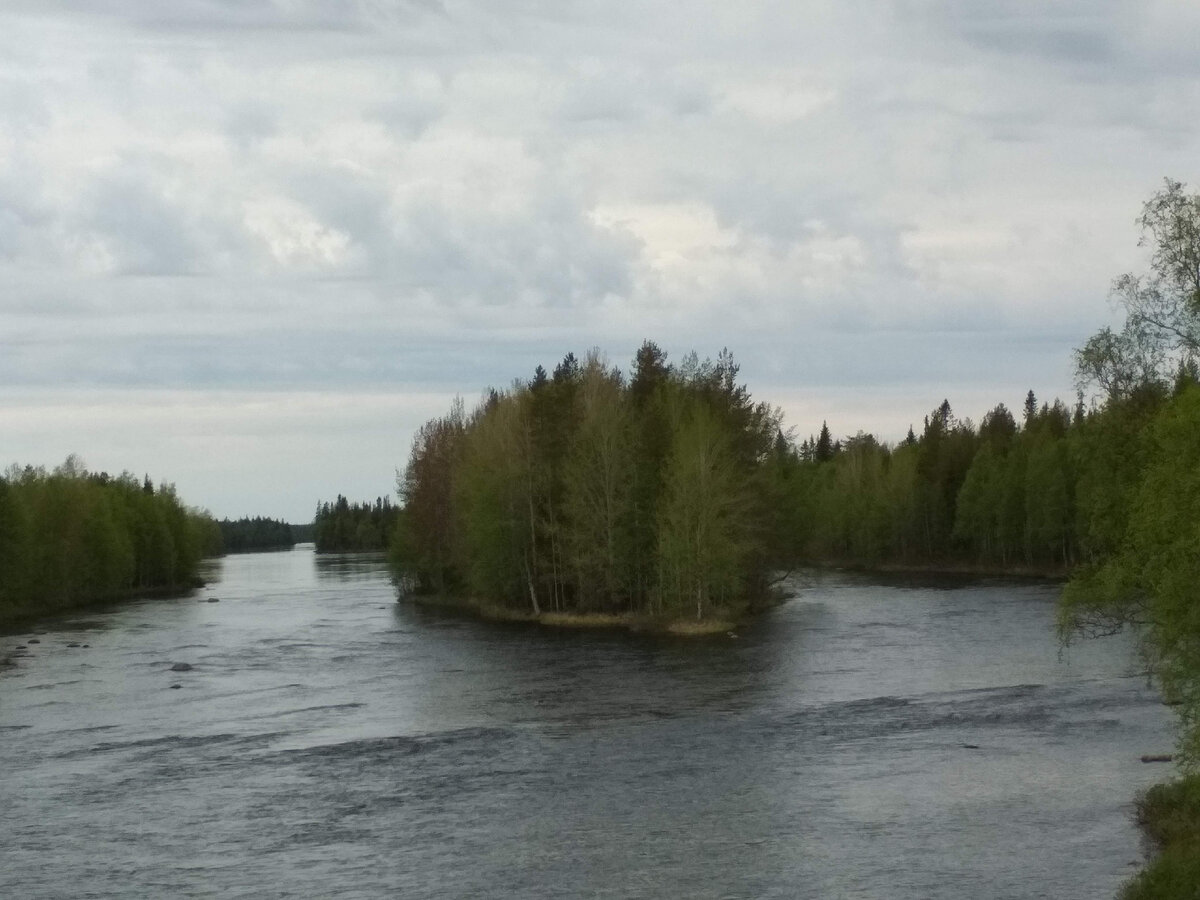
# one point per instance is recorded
(895, 740)
(351, 566)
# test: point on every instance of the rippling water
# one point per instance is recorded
(902, 740)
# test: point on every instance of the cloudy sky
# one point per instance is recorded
(248, 246)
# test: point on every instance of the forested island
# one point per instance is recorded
(70, 537)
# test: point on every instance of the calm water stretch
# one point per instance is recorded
(899, 740)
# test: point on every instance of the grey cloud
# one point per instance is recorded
(627, 94)
(247, 124)
(985, 160)
(234, 15)
(144, 231)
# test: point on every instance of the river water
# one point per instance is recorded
(910, 739)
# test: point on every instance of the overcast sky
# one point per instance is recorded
(249, 246)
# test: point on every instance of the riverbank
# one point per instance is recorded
(16, 618)
(642, 624)
(1169, 815)
(948, 569)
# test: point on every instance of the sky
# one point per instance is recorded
(250, 246)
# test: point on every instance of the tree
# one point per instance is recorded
(1162, 307)
(426, 542)
(597, 479)
(703, 526)
(1151, 577)
(824, 450)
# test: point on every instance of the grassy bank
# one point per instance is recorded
(683, 627)
(1169, 815)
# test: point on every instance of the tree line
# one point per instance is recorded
(1030, 492)
(70, 536)
(247, 535)
(345, 527)
(588, 491)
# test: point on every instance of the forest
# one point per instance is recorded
(248, 535)
(583, 491)
(70, 537)
(345, 527)
(671, 490)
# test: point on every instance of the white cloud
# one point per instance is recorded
(212, 195)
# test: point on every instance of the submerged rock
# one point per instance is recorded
(181, 667)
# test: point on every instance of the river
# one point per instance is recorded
(866, 739)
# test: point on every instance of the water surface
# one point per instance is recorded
(869, 740)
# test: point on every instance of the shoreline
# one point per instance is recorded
(16, 621)
(595, 621)
(1169, 817)
(962, 570)
(725, 621)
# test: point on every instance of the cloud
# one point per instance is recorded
(300, 196)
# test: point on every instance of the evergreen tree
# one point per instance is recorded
(824, 448)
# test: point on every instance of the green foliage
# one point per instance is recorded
(1170, 816)
(70, 537)
(1161, 334)
(1138, 464)
(1151, 577)
(344, 527)
(581, 492)
(247, 535)
(1000, 497)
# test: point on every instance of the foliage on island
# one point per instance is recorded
(345, 527)
(248, 535)
(588, 492)
(70, 537)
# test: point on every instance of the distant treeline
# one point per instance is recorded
(305, 533)
(1036, 493)
(345, 527)
(247, 535)
(586, 491)
(70, 536)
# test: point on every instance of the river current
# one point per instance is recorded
(868, 738)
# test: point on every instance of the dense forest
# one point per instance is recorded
(248, 535)
(70, 536)
(586, 491)
(345, 527)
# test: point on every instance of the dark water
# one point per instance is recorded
(862, 740)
